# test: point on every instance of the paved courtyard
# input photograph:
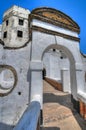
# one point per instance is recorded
(58, 111)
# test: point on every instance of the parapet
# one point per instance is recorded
(16, 11)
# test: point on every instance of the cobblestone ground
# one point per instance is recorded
(58, 112)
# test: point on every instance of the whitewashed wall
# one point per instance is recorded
(13, 105)
(33, 58)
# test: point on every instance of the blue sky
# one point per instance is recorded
(76, 9)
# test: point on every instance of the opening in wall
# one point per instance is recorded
(44, 73)
(7, 22)
(5, 35)
(21, 22)
(61, 57)
(54, 50)
(19, 33)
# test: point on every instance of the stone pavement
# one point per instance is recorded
(58, 111)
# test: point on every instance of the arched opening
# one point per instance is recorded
(59, 67)
(51, 26)
(62, 60)
(56, 68)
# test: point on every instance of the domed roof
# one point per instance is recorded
(55, 17)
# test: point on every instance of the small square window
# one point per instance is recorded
(19, 33)
(7, 22)
(5, 35)
(21, 21)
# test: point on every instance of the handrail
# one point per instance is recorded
(30, 118)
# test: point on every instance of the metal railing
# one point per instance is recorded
(30, 118)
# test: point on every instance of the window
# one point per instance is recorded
(5, 35)
(19, 33)
(7, 22)
(21, 21)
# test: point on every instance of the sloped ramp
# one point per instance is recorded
(58, 111)
(57, 85)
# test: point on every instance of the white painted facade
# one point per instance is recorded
(57, 61)
(64, 65)
(53, 28)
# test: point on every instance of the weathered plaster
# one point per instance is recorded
(13, 15)
(54, 47)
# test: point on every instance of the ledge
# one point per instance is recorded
(82, 96)
(36, 65)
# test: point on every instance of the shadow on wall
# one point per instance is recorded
(28, 75)
(29, 80)
(50, 128)
(5, 126)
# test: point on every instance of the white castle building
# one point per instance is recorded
(43, 42)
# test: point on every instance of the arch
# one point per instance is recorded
(69, 55)
(44, 38)
(73, 56)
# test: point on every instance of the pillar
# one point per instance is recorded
(36, 94)
(65, 74)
